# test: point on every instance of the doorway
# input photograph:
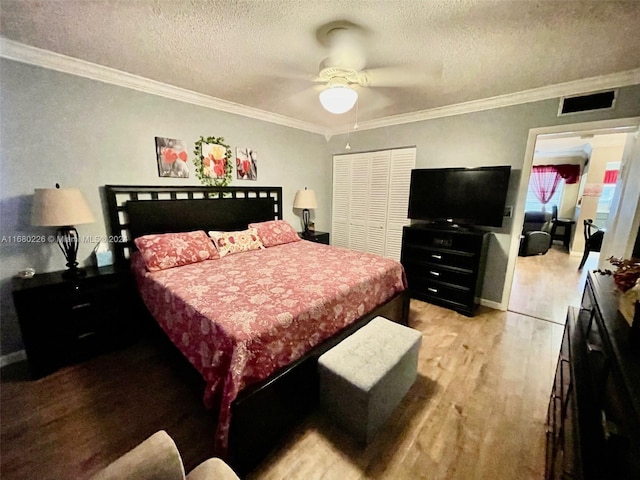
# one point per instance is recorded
(543, 286)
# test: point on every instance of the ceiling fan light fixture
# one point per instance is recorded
(338, 98)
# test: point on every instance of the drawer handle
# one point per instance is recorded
(81, 305)
(593, 348)
(609, 428)
(437, 257)
(432, 290)
(435, 274)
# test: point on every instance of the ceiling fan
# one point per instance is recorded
(343, 71)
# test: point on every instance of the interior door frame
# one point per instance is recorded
(518, 212)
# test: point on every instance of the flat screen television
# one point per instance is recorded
(459, 196)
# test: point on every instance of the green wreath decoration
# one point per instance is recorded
(206, 166)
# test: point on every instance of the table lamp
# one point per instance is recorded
(305, 199)
(62, 208)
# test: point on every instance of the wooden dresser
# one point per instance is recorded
(593, 420)
(64, 320)
(445, 266)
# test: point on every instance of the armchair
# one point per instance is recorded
(536, 234)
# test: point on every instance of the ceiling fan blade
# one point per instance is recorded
(371, 101)
(399, 76)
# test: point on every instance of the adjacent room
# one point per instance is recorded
(553, 257)
(388, 239)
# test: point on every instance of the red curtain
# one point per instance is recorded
(611, 176)
(570, 173)
(544, 180)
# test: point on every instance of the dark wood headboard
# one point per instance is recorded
(134, 211)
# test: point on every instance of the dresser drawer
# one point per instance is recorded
(440, 290)
(439, 256)
(442, 239)
(440, 273)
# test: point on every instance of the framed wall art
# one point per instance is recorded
(246, 163)
(171, 157)
(213, 161)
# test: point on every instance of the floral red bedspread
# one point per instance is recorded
(240, 318)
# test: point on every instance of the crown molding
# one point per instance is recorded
(20, 52)
(579, 154)
(54, 61)
(576, 87)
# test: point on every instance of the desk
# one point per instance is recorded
(567, 229)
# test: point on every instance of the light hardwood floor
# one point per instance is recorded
(545, 285)
(477, 410)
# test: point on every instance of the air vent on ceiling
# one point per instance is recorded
(587, 103)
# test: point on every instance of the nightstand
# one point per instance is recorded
(318, 237)
(64, 321)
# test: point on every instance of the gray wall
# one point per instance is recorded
(492, 137)
(82, 133)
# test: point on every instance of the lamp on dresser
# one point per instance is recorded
(305, 200)
(62, 208)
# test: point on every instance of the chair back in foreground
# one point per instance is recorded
(158, 458)
(593, 236)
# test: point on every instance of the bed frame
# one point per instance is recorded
(264, 412)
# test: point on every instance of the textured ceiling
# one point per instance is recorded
(266, 54)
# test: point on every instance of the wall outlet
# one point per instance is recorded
(508, 211)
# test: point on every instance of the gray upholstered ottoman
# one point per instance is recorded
(364, 377)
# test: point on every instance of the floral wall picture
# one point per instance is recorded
(172, 158)
(246, 164)
(213, 161)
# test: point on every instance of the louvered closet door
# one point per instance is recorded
(370, 200)
(376, 218)
(340, 205)
(403, 160)
(359, 201)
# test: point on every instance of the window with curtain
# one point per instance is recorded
(608, 189)
(532, 204)
(546, 185)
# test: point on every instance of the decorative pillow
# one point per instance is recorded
(168, 250)
(229, 243)
(275, 232)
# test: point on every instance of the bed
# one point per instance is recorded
(253, 324)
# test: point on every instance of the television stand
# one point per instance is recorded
(445, 266)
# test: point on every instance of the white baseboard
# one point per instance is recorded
(14, 357)
(492, 304)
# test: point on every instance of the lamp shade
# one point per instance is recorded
(58, 207)
(305, 199)
(338, 98)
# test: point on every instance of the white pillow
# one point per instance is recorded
(229, 243)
